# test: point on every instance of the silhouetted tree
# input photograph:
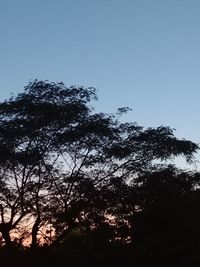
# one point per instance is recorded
(165, 227)
(64, 165)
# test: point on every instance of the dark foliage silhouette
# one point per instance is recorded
(85, 188)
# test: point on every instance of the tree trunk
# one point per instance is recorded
(34, 233)
(5, 230)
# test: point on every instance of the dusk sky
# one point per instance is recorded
(144, 54)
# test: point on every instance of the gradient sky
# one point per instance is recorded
(144, 54)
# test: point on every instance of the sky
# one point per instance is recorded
(144, 54)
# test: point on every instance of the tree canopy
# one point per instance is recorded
(68, 175)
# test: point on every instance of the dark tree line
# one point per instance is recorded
(81, 185)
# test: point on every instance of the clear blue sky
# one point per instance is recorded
(144, 54)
